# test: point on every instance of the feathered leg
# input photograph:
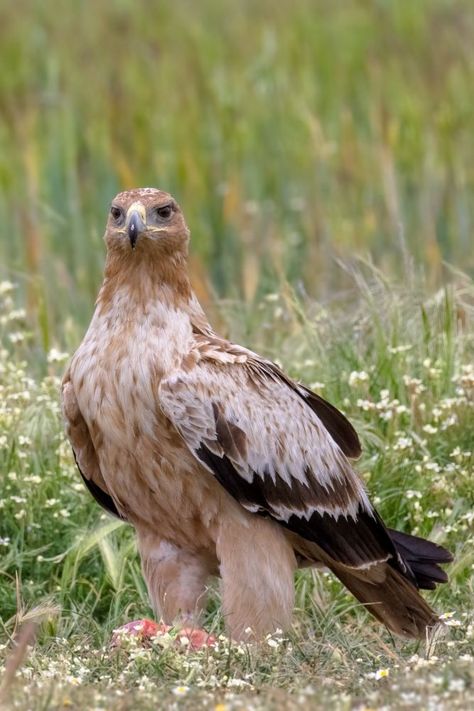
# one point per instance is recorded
(176, 579)
(257, 565)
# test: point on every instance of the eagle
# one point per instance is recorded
(222, 463)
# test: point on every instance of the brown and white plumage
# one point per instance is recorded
(222, 463)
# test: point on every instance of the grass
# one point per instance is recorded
(322, 153)
(399, 361)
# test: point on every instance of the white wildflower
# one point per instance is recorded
(6, 287)
(56, 356)
(357, 377)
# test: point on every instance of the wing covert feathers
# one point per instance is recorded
(255, 431)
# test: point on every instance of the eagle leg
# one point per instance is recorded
(176, 579)
(257, 566)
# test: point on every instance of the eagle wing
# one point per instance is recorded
(277, 448)
(83, 448)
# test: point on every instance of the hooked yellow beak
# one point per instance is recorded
(135, 222)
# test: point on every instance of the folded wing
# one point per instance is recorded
(279, 450)
(83, 449)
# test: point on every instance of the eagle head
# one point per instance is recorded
(146, 221)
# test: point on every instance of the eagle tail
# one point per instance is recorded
(394, 601)
(390, 594)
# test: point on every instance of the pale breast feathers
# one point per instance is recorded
(276, 447)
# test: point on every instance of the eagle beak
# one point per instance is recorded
(135, 226)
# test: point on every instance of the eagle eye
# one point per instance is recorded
(116, 213)
(164, 211)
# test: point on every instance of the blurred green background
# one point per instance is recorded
(293, 133)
